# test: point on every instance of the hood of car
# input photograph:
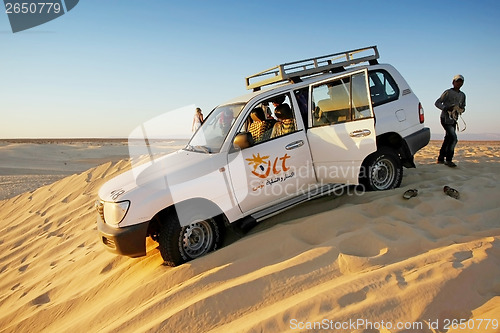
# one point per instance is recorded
(158, 175)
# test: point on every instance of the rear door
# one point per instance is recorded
(341, 130)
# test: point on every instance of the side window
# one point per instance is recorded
(269, 119)
(331, 102)
(340, 100)
(383, 88)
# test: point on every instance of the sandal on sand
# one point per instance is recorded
(410, 193)
(451, 192)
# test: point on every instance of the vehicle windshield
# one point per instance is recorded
(212, 133)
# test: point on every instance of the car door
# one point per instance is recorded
(341, 130)
(275, 168)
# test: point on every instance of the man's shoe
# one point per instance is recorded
(450, 164)
(440, 161)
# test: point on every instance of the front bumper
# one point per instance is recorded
(128, 241)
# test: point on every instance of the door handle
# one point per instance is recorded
(295, 144)
(360, 133)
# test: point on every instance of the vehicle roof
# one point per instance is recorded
(289, 85)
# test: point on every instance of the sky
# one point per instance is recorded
(107, 66)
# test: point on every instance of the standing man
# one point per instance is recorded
(451, 103)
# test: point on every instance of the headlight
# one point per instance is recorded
(114, 212)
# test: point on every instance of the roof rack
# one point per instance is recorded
(294, 71)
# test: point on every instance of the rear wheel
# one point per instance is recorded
(181, 244)
(382, 171)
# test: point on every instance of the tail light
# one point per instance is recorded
(420, 113)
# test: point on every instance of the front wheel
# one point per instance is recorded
(181, 244)
(382, 171)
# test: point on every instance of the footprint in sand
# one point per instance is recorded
(107, 268)
(402, 284)
(42, 299)
(18, 243)
(354, 297)
(461, 257)
(23, 268)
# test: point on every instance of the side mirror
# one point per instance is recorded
(243, 140)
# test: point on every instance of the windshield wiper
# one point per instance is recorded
(203, 149)
(199, 149)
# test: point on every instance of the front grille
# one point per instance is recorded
(99, 206)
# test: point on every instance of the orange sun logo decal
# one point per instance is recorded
(262, 166)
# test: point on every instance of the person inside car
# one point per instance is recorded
(286, 121)
(260, 128)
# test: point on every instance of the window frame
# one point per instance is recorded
(292, 103)
(392, 83)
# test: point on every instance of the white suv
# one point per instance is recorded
(308, 128)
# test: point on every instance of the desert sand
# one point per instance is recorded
(373, 262)
(28, 164)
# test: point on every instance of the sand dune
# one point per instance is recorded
(369, 259)
(29, 164)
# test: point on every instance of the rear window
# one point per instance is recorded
(383, 88)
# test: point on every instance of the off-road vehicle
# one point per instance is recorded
(307, 128)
